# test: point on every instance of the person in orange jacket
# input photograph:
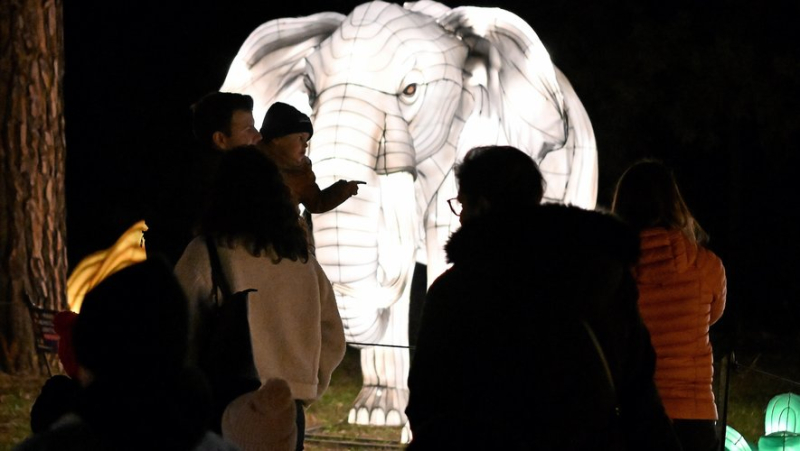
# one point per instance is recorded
(682, 290)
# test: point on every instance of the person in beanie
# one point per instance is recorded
(263, 420)
(286, 132)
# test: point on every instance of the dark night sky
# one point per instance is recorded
(710, 87)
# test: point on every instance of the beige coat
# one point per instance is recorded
(294, 322)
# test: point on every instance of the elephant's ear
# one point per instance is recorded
(573, 168)
(516, 98)
(270, 64)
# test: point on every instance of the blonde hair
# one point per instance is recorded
(647, 196)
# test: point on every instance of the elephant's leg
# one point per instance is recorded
(367, 248)
(384, 394)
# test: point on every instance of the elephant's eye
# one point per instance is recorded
(312, 93)
(411, 88)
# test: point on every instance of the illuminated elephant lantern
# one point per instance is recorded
(397, 95)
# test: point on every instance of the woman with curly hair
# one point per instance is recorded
(682, 289)
(295, 328)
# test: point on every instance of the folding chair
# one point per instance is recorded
(44, 335)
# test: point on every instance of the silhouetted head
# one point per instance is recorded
(133, 324)
(497, 180)
(647, 196)
(251, 202)
(224, 120)
(131, 340)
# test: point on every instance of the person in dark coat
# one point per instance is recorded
(532, 339)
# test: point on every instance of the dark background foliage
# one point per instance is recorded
(709, 87)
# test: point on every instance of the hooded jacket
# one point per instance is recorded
(502, 358)
(682, 290)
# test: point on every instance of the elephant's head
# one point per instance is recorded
(397, 94)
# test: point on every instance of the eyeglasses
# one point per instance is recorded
(455, 206)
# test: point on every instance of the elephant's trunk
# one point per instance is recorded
(367, 244)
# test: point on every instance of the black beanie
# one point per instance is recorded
(282, 120)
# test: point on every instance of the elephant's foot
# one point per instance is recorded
(405, 434)
(379, 406)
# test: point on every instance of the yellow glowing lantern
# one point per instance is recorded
(127, 250)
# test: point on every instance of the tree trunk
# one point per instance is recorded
(33, 256)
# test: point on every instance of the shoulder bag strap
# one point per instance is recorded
(607, 369)
(217, 276)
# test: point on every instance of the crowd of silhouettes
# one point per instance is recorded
(554, 328)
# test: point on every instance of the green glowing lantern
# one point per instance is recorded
(734, 440)
(782, 415)
(779, 441)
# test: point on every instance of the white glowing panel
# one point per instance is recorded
(398, 94)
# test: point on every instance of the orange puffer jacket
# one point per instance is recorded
(682, 290)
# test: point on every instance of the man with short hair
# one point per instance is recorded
(221, 121)
(224, 120)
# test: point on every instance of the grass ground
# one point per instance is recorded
(327, 419)
(16, 397)
(749, 392)
(759, 376)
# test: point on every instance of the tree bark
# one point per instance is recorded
(33, 256)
